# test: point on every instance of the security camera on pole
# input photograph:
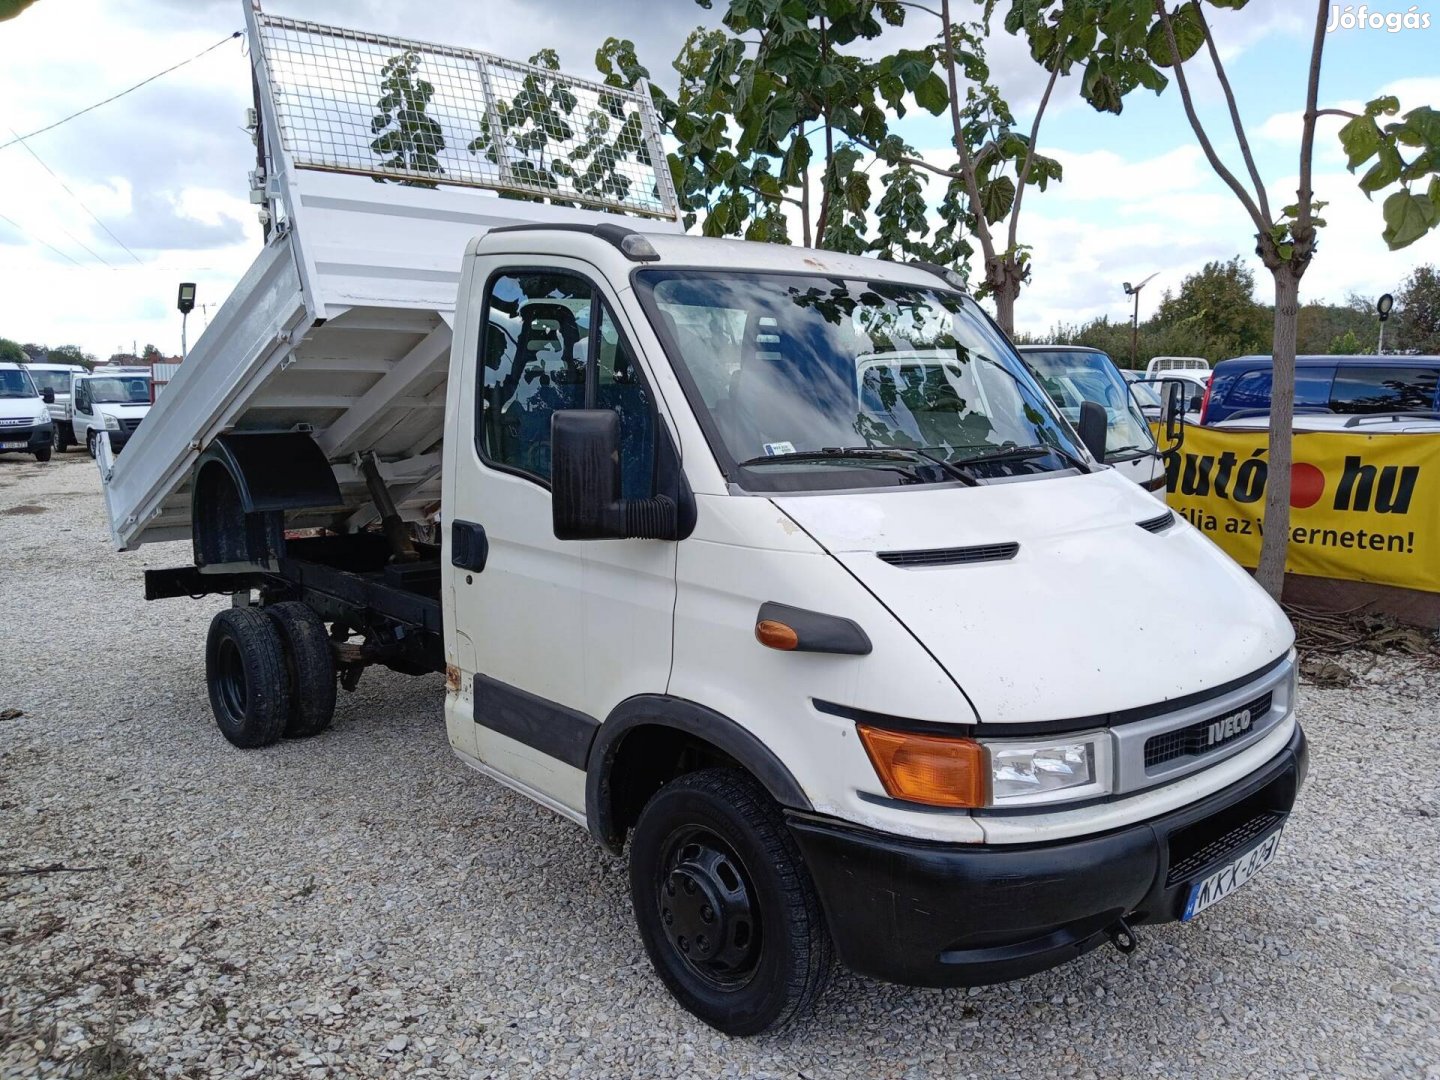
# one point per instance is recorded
(185, 302)
(1134, 290)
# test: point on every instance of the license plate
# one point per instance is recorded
(1231, 876)
(14, 445)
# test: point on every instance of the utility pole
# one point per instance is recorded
(1134, 290)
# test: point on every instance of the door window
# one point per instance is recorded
(82, 397)
(551, 343)
(1370, 389)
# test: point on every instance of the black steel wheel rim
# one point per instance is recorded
(230, 673)
(708, 910)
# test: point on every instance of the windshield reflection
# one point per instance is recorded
(794, 377)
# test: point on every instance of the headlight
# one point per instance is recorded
(939, 770)
(43, 418)
(1030, 771)
(111, 424)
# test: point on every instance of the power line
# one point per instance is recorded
(116, 97)
(22, 231)
(77, 198)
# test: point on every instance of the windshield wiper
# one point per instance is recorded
(893, 454)
(1012, 452)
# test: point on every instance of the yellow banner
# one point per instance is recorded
(1362, 507)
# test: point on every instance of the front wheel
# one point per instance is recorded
(42, 455)
(90, 442)
(725, 906)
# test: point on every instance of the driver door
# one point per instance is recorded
(551, 635)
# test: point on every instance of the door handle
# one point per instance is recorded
(469, 547)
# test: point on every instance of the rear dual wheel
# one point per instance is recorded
(270, 674)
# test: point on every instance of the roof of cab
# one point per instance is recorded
(699, 252)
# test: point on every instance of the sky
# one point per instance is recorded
(103, 216)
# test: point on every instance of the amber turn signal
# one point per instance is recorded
(776, 635)
(929, 769)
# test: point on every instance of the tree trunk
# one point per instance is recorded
(1273, 549)
(1005, 307)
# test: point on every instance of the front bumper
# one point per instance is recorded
(931, 914)
(35, 438)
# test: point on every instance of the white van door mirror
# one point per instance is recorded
(585, 500)
(1093, 423)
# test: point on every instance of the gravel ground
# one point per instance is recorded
(362, 904)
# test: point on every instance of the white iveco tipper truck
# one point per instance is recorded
(775, 564)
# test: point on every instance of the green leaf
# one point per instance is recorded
(1361, 139)
(996, 199)
(1388, 104)
(932, 95)
(1384, 172)
(1189, 36)
(1407, 218)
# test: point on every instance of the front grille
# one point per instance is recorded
(12, 434)
(950, 556)
(15, 423)
(1224, 846)
(1199, 738)
(129, 425)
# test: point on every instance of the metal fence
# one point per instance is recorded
(426, 115)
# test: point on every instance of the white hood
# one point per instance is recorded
(1092, 615)
(30, 409)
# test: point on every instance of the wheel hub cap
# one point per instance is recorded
(707, 912)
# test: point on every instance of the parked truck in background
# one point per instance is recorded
(107, 403)
(773, 567)
(56, 379)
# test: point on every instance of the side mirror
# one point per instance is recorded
(585, 500)
(1172, 413)
(1093, 423)
(48, 396)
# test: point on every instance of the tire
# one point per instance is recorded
(249, 683)
(711, 850)
(311, 666)
(90, 442)
(61, 442)
(42, 455)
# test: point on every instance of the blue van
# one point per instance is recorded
(1336, 384)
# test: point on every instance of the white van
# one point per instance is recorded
(56, 379)
(773, 568)
(111, 401)
(25, 425)
(1075, 374)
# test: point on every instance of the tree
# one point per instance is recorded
(1347, 344)
(71, 354)
(1130, 44)
(150, 353)
(996, 160)
(773, 89)
(1417, 310)
(1221, 300)
(11, 352)
(413, 140)
(546, 140)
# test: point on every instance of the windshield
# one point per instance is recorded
(59, 381)
(15, 383)
(120, 390)
(794, 378)
(1146, 394)
(1072, 377)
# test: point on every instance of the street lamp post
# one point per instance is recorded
(1134, 290)
(185, 303)
(1382, 308)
